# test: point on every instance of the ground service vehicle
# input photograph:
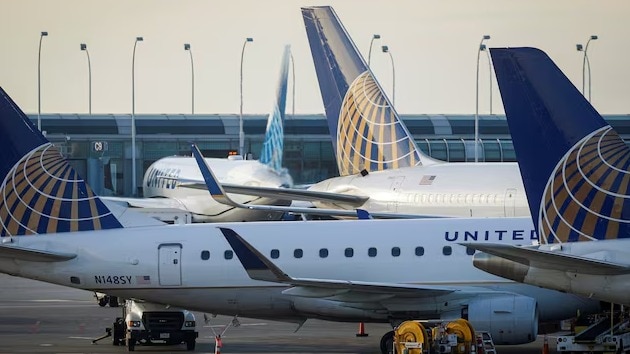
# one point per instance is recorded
(599, 337)
(148, 324)
(458, 336)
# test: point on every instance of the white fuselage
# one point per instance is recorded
(206, 276)
(161, 180)
(457, 189)
(610, 288)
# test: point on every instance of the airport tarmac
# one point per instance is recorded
(37, 317)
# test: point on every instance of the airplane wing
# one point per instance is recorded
(286, 193)
(534, 257)
(219, 194)
(259, 267)
(164, 203)
(26, 254)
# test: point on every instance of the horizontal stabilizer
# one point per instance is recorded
(552, 260)
(31, 255)
(259, 267)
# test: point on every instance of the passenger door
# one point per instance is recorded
(169, 264)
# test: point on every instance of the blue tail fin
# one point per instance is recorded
(40, 192)
(273, 146)
(574, 165)
(367, 132)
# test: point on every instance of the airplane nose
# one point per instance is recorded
(500, 266)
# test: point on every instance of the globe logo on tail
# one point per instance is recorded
(43, 194)
(370, 135)
(585, 196)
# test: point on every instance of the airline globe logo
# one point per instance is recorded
(369, 134)
(43, 194)
(585, 196)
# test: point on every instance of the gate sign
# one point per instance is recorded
(99, 146)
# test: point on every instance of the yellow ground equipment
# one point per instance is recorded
(411, 337)
(455, 337)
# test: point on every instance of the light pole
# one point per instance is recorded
(39, 81)
(586, 62)
(133, 117)
(241, 135)
(85, 48)
(375, 36)
(479, 49)
(484, 49)
(386, 50)
(192, 70)
(293, 86)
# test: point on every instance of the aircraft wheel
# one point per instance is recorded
(387, 343)
(113, 301)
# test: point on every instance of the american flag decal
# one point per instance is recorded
(143, 279)
(427, 180)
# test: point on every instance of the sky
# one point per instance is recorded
(433, 44)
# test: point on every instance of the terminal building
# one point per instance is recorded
(99, 145)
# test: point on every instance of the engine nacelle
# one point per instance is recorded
(510, 319)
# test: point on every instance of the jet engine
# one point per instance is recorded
(510, 318)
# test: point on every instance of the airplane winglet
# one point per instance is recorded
(258, 266)
(363, 214)
(215, 189)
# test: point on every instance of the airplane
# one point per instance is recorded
(54, 229)
(376, 155)
(577, 178)
(165, 181)
(381, 168)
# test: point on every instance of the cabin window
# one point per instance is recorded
(470, 251)
(349, 252)
(419, 251)
(372, 251)
(275, 253)
(323, 253)
(395, 251)
(228, 254)
(447, 250)
(298, 253)
(205, 255)
(75, 280)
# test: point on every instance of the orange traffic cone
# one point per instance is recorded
(361, 330)
(545, 349)
(218, 344)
